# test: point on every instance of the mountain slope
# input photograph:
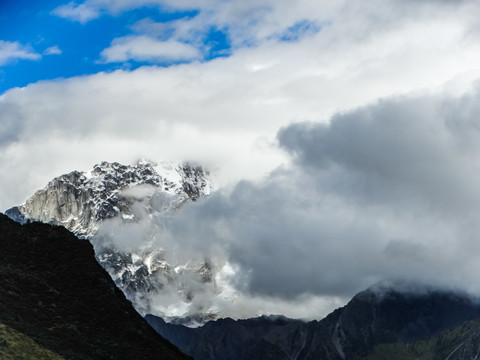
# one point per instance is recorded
(461, 342)
(55, 293)
(371, 320)
(385, 314)
(112, 200)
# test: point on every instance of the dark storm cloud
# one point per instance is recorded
(277, 236)
(416, 151)
(383, 192)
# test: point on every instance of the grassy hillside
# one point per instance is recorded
(17, 346)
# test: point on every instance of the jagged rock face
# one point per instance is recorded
(81, 200)
(84, 201)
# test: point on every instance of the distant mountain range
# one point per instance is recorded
(379, 323)
(51, 308)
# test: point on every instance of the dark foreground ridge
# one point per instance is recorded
(57, 302)
(379, 323)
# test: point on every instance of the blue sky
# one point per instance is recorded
(55, 46)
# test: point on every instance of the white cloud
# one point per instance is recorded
(82, 13)
(143, 48)
(247, 22)
(252, 22)
(12, 50)
(52, 50)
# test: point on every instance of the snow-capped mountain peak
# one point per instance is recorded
(81, 200)
(120, 209)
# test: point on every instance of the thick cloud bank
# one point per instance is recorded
(288, 61)
(386, 192)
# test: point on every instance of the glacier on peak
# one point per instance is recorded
(120, 209)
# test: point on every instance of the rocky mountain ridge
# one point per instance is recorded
(377, 321)
(79, 201)
(98, 204)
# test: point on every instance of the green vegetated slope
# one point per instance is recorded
(421, 350)
(55, 297)
(17, 346)
(459, 343)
